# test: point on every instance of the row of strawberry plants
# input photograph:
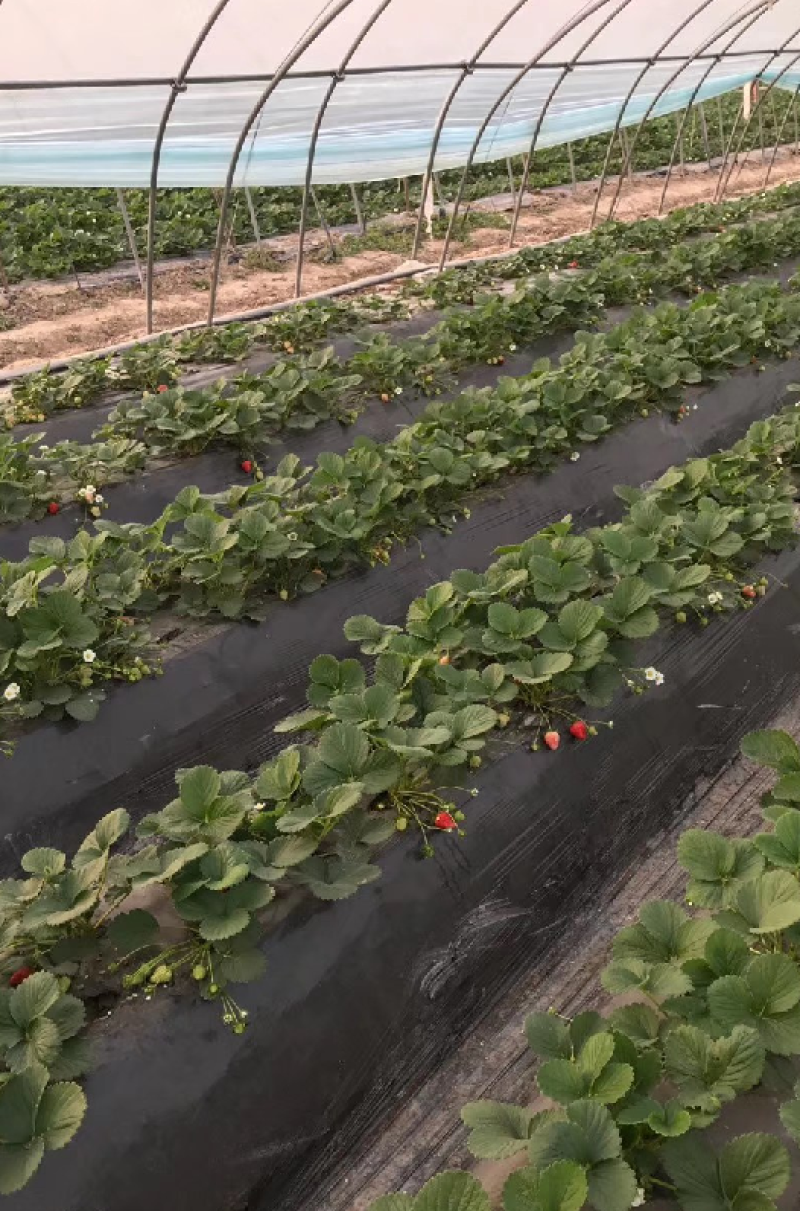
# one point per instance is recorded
(549, 629)
(47, 232)
(158, 364)
(293, 531)
(712, 1011)
(301, 392)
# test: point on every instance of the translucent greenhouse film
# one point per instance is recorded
(368, 89)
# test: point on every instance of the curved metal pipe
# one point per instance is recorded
(789, 109)
(300, 49)
(724, 180)
(757, 10)
(312, 149)
(629, 97)
(178, 86)
(681, 125)
(466, 70)
(568, 67)
(567, 28)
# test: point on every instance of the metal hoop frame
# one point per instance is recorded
(467, 69)
(312, 149)
(718, 59)
(178, 86)
(566, 29)
(789, 110)
(756, 11)
(724, 180)
(569, 67)
(184, 79)
(300, 49)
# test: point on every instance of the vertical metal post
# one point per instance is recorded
(362, 226)
(572, 172)
(721, 119)
(629, 97)
(312, 146)
(253, 215)
(704, 132)
(323, 222)
(511, 182)
(625, 148)
(178, 86)
(679, 141)
(791, 107)
(130, 233)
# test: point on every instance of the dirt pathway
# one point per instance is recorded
(54, 320)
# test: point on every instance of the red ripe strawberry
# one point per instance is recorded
(53, 508)
(573, 265)
(749, 592)
(162, 388)
(552, 740)
(247, 466)
(445, 822)
(579, 730)
(20, 976)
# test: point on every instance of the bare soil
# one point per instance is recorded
(54, 320)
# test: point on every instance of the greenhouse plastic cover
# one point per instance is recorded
(84, 83)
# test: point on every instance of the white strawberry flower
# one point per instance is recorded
(258, 807)
(714, 598)
(639, 1199)
(653, 675)
(12, 692)
(574, 456)
(89, 656)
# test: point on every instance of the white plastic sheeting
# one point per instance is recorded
(84, 84)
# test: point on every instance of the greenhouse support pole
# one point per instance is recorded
(625, 148)
(572, 173)
(754, 13)
(565, 29)
(466, 70)
(286, 66)
(608, 19)
(511, 182)
(362, 226)
(312, 147)
(714, 63)
(628, 98)
(790, 108)
(724, 180)
(704, 132)
(253, 215)
(721, 119)
(679, 141)
(178, 86)
(323, 222)
(129, 232)
(734, 161)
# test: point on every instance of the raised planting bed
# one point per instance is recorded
(219, 698)
(363, 999)
(495, 1062)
